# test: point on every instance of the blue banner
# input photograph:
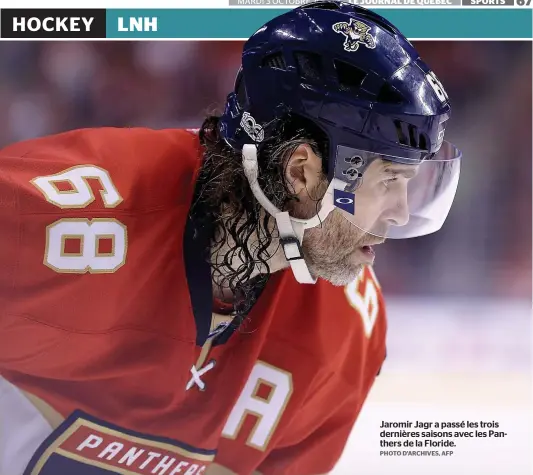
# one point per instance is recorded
(240, 23)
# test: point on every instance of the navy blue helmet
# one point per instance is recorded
(356, 77)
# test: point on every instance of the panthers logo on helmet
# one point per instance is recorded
(356, 33)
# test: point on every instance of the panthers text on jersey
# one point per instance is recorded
(111, 359)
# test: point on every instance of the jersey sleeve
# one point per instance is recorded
(72, 206)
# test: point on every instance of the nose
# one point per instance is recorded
(398, 214)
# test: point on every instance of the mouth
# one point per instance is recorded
(364, 255)
(368, 250)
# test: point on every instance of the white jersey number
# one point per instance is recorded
(365, 300)
(77, 245)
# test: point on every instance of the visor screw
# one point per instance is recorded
(352, 174)
(356, 161)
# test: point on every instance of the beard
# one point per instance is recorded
(330, 249)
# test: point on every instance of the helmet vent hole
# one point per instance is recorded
(413, 136)
(389, 95)
(350, 77)
(274, 61)
(422, 144)
(402, 138)
(309, 66)
(414, 139)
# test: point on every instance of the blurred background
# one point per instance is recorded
(459, 301)
(485, 246)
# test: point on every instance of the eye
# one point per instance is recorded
(389, 180)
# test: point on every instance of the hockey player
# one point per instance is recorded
(203, 302)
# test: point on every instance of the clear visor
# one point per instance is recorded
(393, 197)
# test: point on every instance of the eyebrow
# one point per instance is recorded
(407, 172)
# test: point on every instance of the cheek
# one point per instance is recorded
(367, 212)
(344, 233)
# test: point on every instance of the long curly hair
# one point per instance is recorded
(235, 215)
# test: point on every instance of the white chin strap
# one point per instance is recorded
(291, 230)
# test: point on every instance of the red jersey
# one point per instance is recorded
(106, 316)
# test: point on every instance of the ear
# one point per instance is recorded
(303, 171)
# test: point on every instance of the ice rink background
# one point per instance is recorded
(449, 362)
